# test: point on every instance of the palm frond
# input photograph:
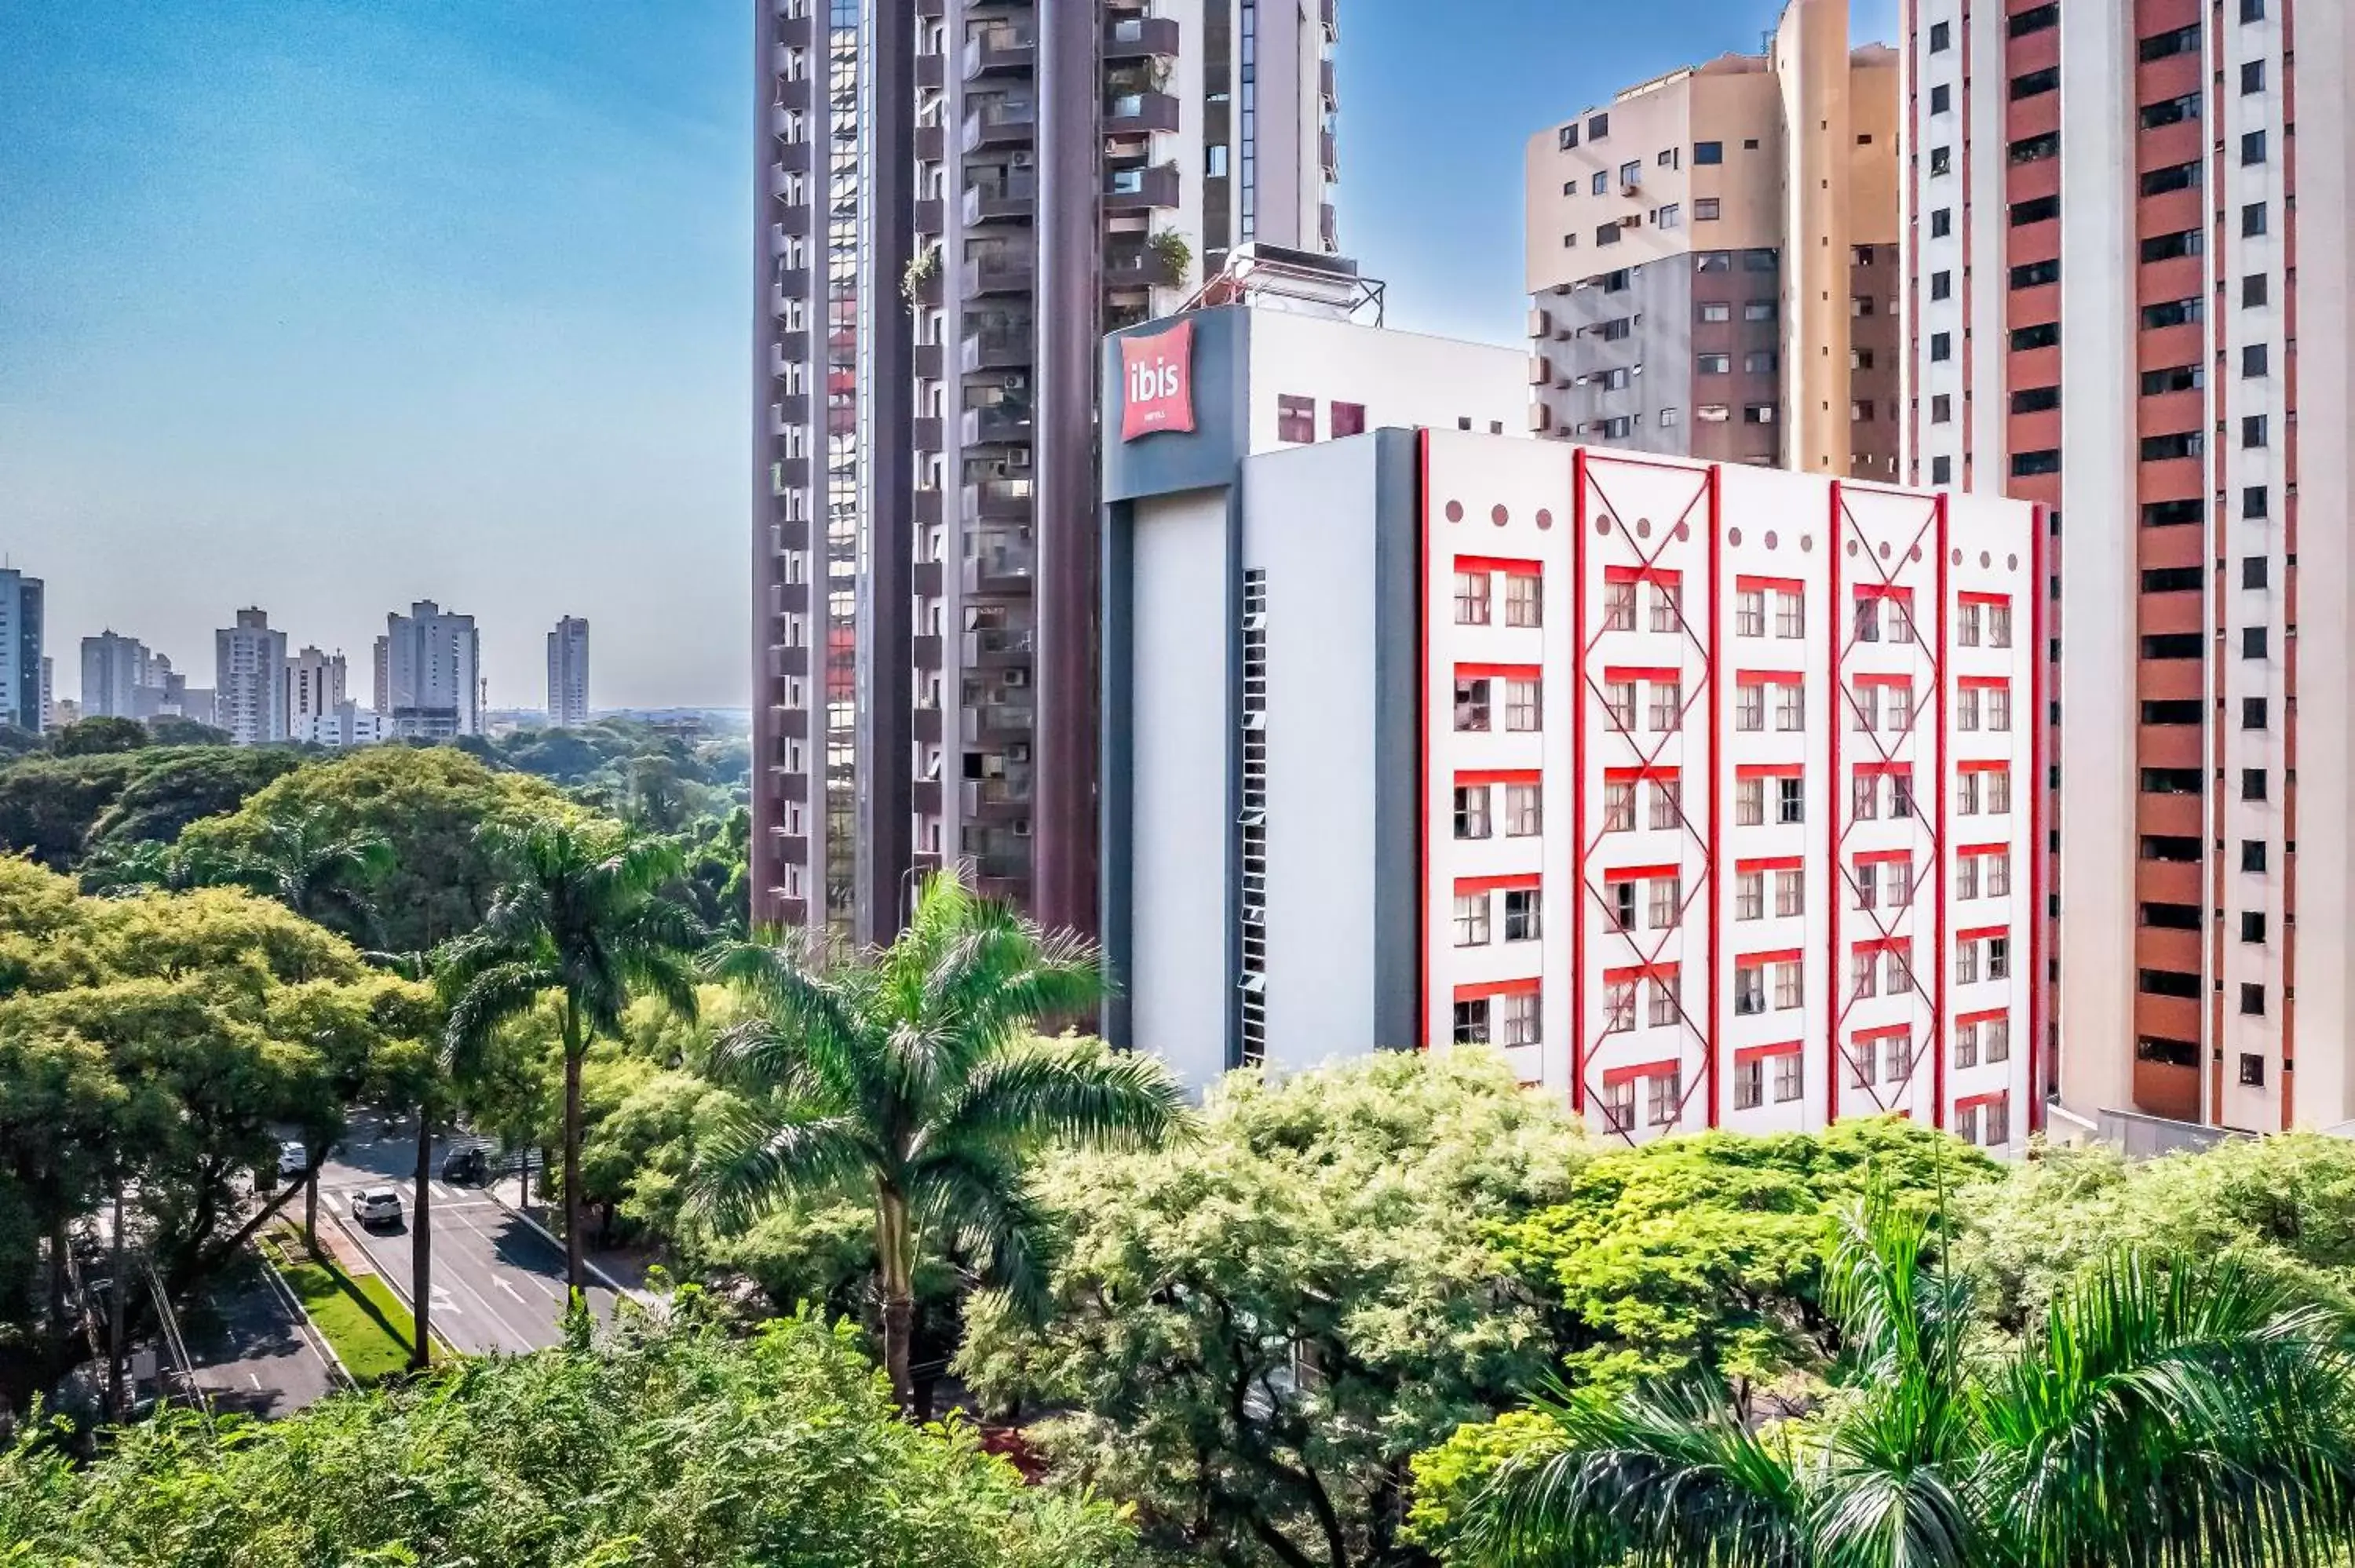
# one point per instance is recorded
(1079, 1093)
(1669, 1477)
(980, 1202)
(760, 1159)
(488, 998)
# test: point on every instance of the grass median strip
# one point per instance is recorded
(359, 1316)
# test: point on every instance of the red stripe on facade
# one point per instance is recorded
(1883, 857)
(1666, 574)
(1485, 989)
(2002, 847)
(1772, 862)
(1770, 770)
(1983, 683)
(1749, 1054)
(1868, 678)
(1667, 673)
(1769, 678)
(1618, 1076)
(1517, 880)
(1994, 599)
(1641, 872)
(1578, 780)
(1983, 765)
(1883, 1031)
(1942, 518)
(1471, 778)
(1779, 956)
(1980, 933)
(1630, 775)
(1511, 565)
(1835, 788)
(1748, 584)
(1986, 1015)
(1884, 769)
(1715, 846)
(1898, 591)
(1631, 973)
(1971, 1102)
(1885, 944)
(1499, 672)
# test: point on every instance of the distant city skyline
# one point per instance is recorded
(330, 308)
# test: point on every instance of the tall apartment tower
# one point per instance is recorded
(2115, 317)
(314, 687)
(21, 632)
(1713, 258)
(115, 671)
(568, 673)
(956, 197)
(429, 673)
(249, 680)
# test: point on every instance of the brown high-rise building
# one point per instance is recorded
(2128, 302)
(1713, 258)
(956, 198)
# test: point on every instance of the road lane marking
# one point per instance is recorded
(510, 1290)
(544, 1288)
(253, 1379)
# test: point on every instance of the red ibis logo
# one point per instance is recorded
(1157, 382)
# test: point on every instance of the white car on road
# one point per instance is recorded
(376, 1206)
(292, 1159)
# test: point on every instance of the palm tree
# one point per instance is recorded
(581, 916)
(911, 1073)
(318, 872)
(2165, 1415)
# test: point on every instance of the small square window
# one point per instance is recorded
(2253, 220)
(1348, 420)
(2253, 430)
(1941, 38)
(2252, 927)
(2252, 855)
(1942, 98)
(2254, 359)
(2253, 1070)
(2253, 77)
(2253, 787)
(1941, 222)
(2252, 1001)
(1708, 153)
(2253, 291)
(2253, 151)
(1296, 419)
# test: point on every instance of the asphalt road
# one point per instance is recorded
(254, 1355)
(498, 1284)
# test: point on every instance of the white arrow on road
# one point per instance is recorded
(505, 1286)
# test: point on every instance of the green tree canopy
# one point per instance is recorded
(96, 737)
(425, 802)
(660, 1447)
(63, 810)
(1252, 1333)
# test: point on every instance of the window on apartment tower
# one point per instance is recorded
(1941, 222)
(2253, 77)
(1348, 420)
(2170, 112)
(2252, 1001)
(1941, 471)
(1470, 919)
(1941, 285)
(2253, 784)
(1790, 801)
(1942, 36)
(1706, 209)
(1471, 703)
(1942, 159)
(1749, 802)
(1942, 346)
(2252, 430)
(2252, 10)
(1471, 599)
(1523, 812)
(1296, 419)
(2253, 220)
(1942, 98)
(1471, 812)
(1523, 599)
(1521, 704)
(2253, 1070)
(1472, 1023)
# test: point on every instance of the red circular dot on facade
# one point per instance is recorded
(1915, 554)
(1733, 538)
(1851, 546)
(1498, 515)
(1603, 524)
(1456, 512)
(1806, 543)
(1545, 519)
(1643, 527)
(1884, 552)
(1956, 558)
(1986, 560)
(2011, 562)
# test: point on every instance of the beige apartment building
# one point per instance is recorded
(1713, 258)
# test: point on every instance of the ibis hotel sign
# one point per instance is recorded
(1157, 382)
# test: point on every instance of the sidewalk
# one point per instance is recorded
(624, 1266)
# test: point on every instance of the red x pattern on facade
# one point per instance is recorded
(1616, 542)
(1881, 551)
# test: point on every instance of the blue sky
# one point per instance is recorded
(330, 304)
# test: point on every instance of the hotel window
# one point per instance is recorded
(1667, 1005)
(1897, 968)
(1999, 873)
(1618, 806)
(1619, 898)
(1523, 815)
(1896, 1059)
(1666, 615)
(1348, 420)
(1472, 1022)
(1667, 902)
(1968, 794)
(1999, 800)
(1966, 963)
(1750, 896)
(1713, 363)
(1967, 876)
(1618, 1105)
(1790, 615)
(1966, 708)
(1966, 1044)
(1994, 1040)
(1998, 965)
(1619, 607)
(1899, 874)
(1750, 613)
(1790, 801)
(1749, 1083)
(1668, 706)
(1471, 703)
(1790, 893)
(1521, 704)
(1998, 625)
(1864, 798)
(1995, 1122)
(1522, 914)
(1667, 803)
(1868, 620)
(1667, 1096)
(1618, 1007)
(1715, 311)
(1749, 802)
(1750, 708)
(1787, 1081)
(1790, 986)
(1999, 708)
(1790, 707)
(1524, 600)
(1864, 973)
(1705, 209)
(1521, 1015)
(1867, 883)
(1901, 793)
(1967, 625)
(1861, 1061)
(1749, 990)
(1296, 419)
(1471, 812)
(1619, 702)
(1470, 919)
(1471, 599)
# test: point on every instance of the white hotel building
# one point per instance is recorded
(1705, 792)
